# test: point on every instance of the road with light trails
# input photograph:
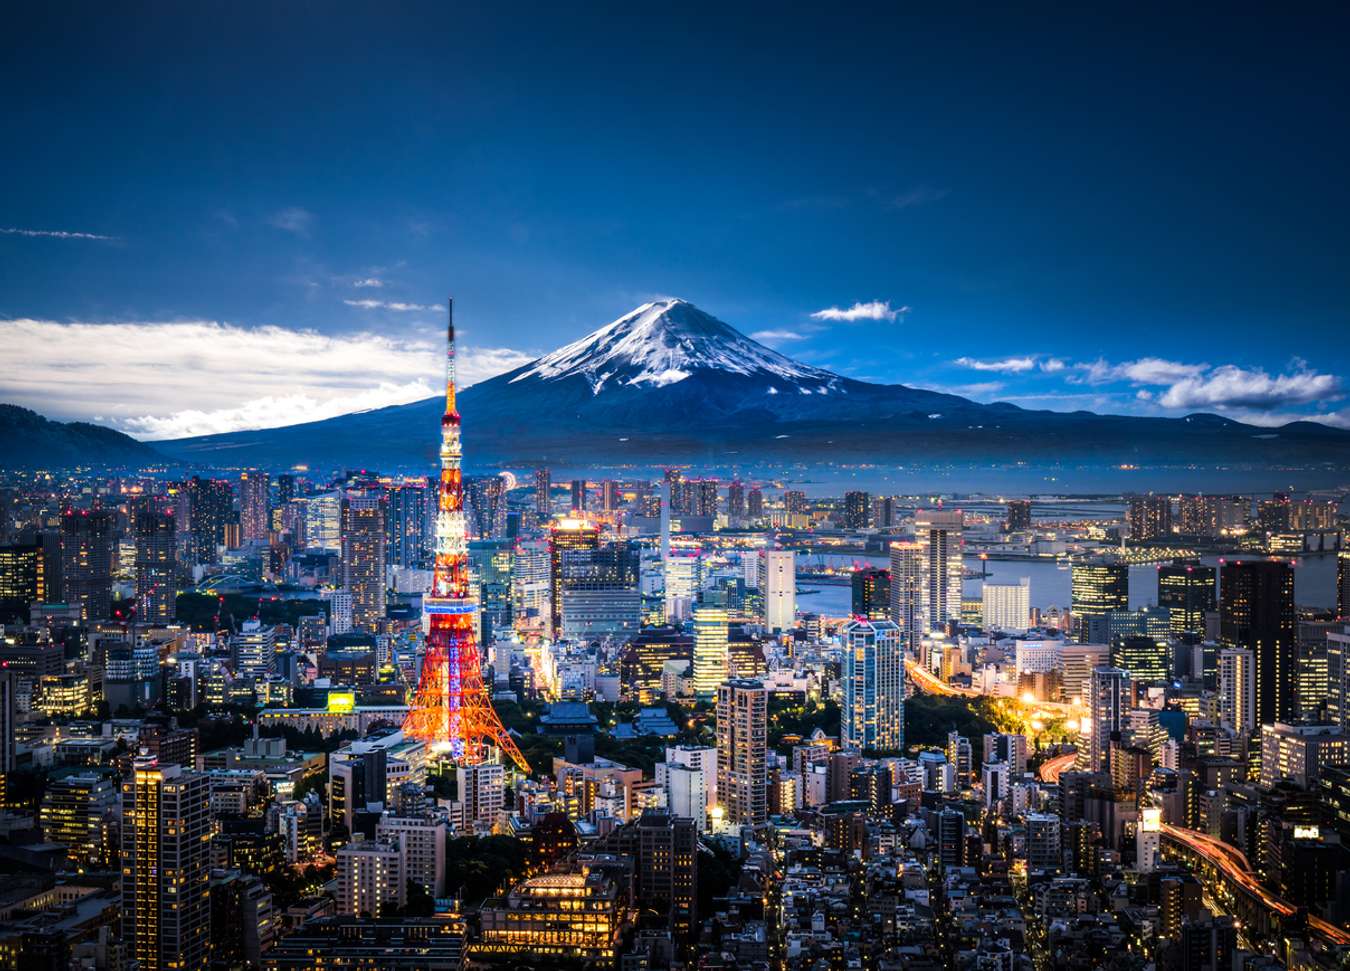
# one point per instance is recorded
(1052, 767)
(1235, 866)
(930, 683)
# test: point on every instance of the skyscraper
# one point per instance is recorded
(874, 686)
(485, 506)
(566, 537)
(872, 593)
(407, 525)
(87, 545)
(210, 502)
(154, 527)
(363, 558)
(543, 497)
(710, 650)
(754, 503)
(166, 826)
(938, 532)
(742, 751)
(1187, 589)
(23, 581)
(1007, 606)
(857, 509)
(578, 495)
(609, 496)
(1018, 515)
(1237, 689)
(1257, 612)
(907, 592)
(255, 517)
(779, 588)
(1149, 517)
(1098, 587)
(736, 499)
(1108, 700)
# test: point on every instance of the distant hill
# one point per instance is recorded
(668, 382)
(27, 441)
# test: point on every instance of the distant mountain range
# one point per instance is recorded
(28, 441)
(670, 383)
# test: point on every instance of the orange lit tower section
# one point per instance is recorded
(451, 711)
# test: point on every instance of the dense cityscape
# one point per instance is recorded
(288, 719)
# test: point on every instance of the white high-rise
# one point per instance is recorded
(874, 686)
(907, 593)
(710, 650)
(1237, 689)
(938, 532)
(779, 587)
(1007, 606)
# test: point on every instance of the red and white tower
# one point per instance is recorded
(451, 711)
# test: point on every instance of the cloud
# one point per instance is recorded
(55, 234)
(1146, 370)
(368, 304)
(920, 195)
(874, 310)
(1009, 365)
(778, 335)
(178, 378)
(1230, 386)
(1053, 365)
(293, 219)
(370, 281)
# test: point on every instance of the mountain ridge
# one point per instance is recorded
(28, 440)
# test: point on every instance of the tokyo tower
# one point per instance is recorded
(451, 711)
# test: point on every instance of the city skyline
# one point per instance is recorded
(919, 202)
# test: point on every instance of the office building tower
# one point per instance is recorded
(485, 506)
(421, 842)
(1109, 697)
(1299, 753)
(938, 532)
(710, 650)
(1007, 606)
(1273, 514)
(23, 581)
(166, 895)
(78, 812)
(907, 586)
(736, 499)
(754, 503)
(531, 584)
(255, 514)
(1187, 590)
(1343, 585)
(1143, 657)
(1009, 749)
(1237, 689)
(254, 650)
(1018, 515)
(1257, 612)
(609, 496)
(543, 494)
(703, 498)
(742, 752)
(88, 542)
(578, 495)
(363, 558)
(570, 541)
(872, 593)
(211, 507)
(873, 686)
(1338, 679)
(409, 509)
(1097, 588)
(370, 879)
(1149, 517)
(1044, 849)
(779, 588)
(154, 527)
(8, 710)
(857, 510)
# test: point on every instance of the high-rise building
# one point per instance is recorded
(531, 585)
(742, 752)
(710, 650)
(872, 593)
(1149, 517)
(779, 587)
(363, 558)
(421, 840)
(87, 546)
(1007, 606)
(485, 506)
(736, 499)
(77, 812)
(370, 879)
(754, 503)
(1298, 752)
(907, 587)
(210, 504)
(578, 495)
(1143, 657)
(23, 581)
(408, 517)
(1257, 612)
(567, 537)
(1018, 516)
(154, 527)
(1343, 585)
(1338, 680)
(255, 515)
(1237, 689)
(874, 686)
(938, 532)
(1187, 589)
(1212, 515)
(609, 496)
(1098, 587)
(543, 494)
(166, 897)
(1108, 701)
(1273, 514)
(857, 510)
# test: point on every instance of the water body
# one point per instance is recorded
(1314, 583)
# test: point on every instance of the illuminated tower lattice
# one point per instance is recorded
(451, 711)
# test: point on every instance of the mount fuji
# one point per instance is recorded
(668, 382)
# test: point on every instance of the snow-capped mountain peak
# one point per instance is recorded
(665, 342)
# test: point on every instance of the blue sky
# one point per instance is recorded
(250, 215)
